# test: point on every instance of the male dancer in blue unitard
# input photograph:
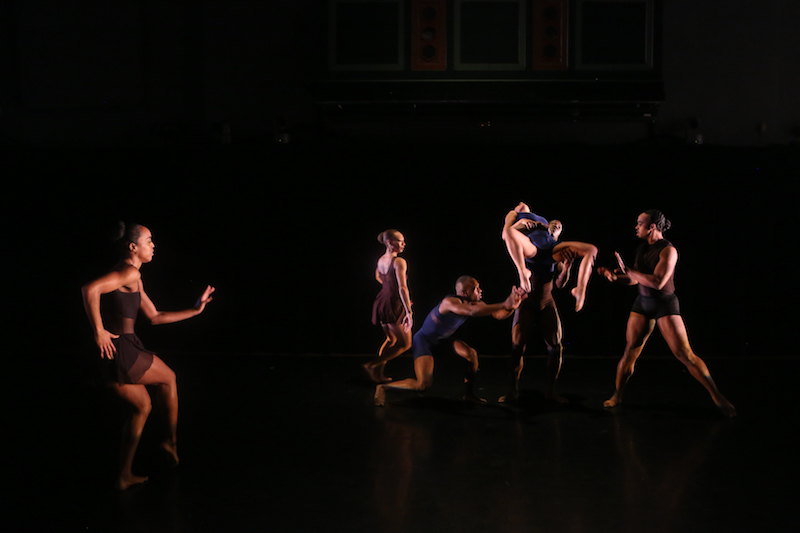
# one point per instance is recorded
(440, 324)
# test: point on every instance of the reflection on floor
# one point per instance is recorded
(294, 444)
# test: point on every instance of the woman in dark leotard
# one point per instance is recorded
(392, 307)
(131, 365)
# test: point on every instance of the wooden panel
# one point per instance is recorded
(550, 34)
(429, 35)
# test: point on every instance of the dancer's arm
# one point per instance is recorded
(523, 224)
(401, 271)
(615, 276)
(513, 301)
(564, 267)
(157, 317)
(91, 293)
(499, 311)
(667, 260)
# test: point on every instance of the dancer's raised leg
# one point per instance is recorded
(588, 254)
(519, 248)
(161, 375)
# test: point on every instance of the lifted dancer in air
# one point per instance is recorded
(437, 330)
(539, 314)
(526, 236)
(654, 271)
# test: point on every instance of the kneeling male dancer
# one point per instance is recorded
(440, 324)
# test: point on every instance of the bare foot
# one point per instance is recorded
(727, 408)
(525, 280)
(381, 375)
(611, 402)
(552, 396)
(380, 396)
(375, 373)
(126, 481)
(172, 451)
(511, 397)
(474, 399)
(580, 297)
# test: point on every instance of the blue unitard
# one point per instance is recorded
(437, 327)
(542, 264)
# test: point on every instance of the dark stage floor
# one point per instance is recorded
(294, 444)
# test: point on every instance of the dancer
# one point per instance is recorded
(539, 311)
(656, 304)
(526, 237)
(440, 324)
(392, 307)
(129, 364)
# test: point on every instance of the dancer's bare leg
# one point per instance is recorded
(517, 362)
(422, 380)
(551, 331)
(520, 248)
(673, 329)
(139, 399)
(161, 375)
(519, 340)
(639, 330)
(588, 254)
(374, 369)
(467, 352)
(397, 342)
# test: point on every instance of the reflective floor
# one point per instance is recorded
(294, 444)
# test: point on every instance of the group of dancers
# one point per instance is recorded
(541, 262)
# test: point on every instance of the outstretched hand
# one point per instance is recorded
(622, 268)
(204, 299)
(515, 298)
(608, 274)
(611, 275)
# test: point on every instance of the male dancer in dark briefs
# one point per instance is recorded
(653, 272)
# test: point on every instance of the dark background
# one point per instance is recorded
(124, 111)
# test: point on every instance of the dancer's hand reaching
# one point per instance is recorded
(204, 299)
(622, 268)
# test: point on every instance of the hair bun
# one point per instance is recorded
(116, 231)
(661, 222)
